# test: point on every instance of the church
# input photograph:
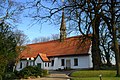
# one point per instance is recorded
(64, 53)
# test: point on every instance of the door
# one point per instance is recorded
(39, 65)
(68, 64)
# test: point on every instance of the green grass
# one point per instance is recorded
(97, 78)
(94, 75)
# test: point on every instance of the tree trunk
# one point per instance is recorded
(95, 44)
(107, 55)
(117, 52)
(96, 52)
(115, 41)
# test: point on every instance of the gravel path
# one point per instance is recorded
(52, 77)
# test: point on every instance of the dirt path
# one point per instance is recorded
(53, 77)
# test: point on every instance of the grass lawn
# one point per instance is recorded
(97, 78)
(94, 75)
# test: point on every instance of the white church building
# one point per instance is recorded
(64, 53)
(72, 53)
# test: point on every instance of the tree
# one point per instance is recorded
(10, 10)
(44, 39)
(21, 38)
(105, 45)
(7, 48)
(80, 15)
(87, 16)
(55, 36)
(111, 19)
(40, 39)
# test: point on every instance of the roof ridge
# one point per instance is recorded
(55, 40)
(70, 46)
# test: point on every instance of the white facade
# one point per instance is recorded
(72, 62)
(83, 62)
(69, 62)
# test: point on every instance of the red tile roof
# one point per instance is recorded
(77, 45)
(44, 57)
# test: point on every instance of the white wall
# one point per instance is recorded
(83, 62)
(30, 63)
(39, 60)
(55, 66)
(24, 62)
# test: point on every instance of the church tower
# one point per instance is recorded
(62, 28)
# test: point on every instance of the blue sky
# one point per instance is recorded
(37, 30)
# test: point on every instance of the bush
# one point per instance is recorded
(31, 71)
(105, 67)
(0, 77)
(37, 71)
(16, 74)
(45, 72)
(9, 76)
(25, 73)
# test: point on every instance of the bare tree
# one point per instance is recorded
(40, 39)
(79, 14)
(105, 45)
(55, 36)
(10, 10)
(86, 16)
(21, 38)
(45, 39)
(111, 19)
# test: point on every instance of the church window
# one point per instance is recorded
(52, 63)
(76, 62)
(62, 62)
(20, 64)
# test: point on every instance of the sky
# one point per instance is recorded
(38, 30)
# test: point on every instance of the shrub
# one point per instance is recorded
(31, 71)
(16, 74)
(9, 76)
(0, 77)
(105, 67)
(25, 73)
(45, 72)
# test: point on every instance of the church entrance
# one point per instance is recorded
(68, 64)
(39, 65)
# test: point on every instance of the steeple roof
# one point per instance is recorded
(63, 25)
